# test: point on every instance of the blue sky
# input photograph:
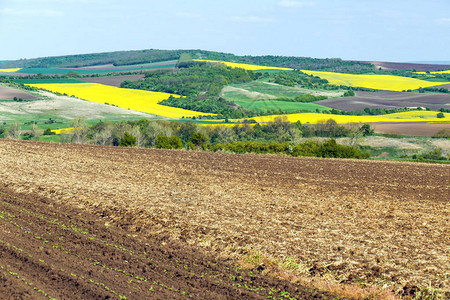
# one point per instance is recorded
(394, 30)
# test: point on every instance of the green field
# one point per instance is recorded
(261, 95)
(279, 106)
(276, 90)
(56, 71)
(129, 68)
(44, 81)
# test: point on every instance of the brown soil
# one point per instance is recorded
(388, 100)
(389, 66)
(445, 86)
(371, 222)
(410, 129)
(112, 80)
(7, 93)
(50, 250)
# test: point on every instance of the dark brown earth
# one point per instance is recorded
(7, 93)
(112, 80)
(388, 100)
(410, 128)
(389, 66)
(50, 250)
(445, 86)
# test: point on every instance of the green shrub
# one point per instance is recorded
(443, 133)
(127, 140)
(48, 131)
(162, 142)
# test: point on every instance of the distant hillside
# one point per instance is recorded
(120, 58)
(432, 62)
(419, 67)
(117, 58)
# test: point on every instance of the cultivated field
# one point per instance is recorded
(389, 66)
(7, 93)
(378, 82)
(103, 69)
(261, 95)
(316, 118)
(245, 66)
(388, 100)
(411, 129)
(112, 80)
(63, 110)
(345, 221)
(9, 70)
(137, 100)
(53, 251)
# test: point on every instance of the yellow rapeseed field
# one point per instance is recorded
(436, 72)
(63, 130)
(138, 100)
(378, 82)
(9, 70)
(315, 118)
(245, 66)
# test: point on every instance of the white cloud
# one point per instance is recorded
(31, 12)
(252, 19)
(295, 4)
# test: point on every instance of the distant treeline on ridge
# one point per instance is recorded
(120, 58)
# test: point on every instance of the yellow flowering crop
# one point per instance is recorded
(315, 118)
(63, 130)
(378, 82)
(138, 100)
(245, 66)
(9, 70)
(436, 72)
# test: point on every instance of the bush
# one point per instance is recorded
(440, 115)
(48, 131)
(127, 141)
(198, 139)
(443, 133)
(175, 142)
(164, 142)
(435, 154)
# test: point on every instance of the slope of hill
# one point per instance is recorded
(120, 58)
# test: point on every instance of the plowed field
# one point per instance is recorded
(52, 251)
(7, 93)
(369, 222)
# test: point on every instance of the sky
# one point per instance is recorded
(394, 30)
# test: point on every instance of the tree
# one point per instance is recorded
(14, 131)
(136, 132)
(36, 132)
(162, 142)
(440, 115)
(78, 133)
(127, 141)
(366, 130)
(175, 142)
(48, 131)
(198, 139)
